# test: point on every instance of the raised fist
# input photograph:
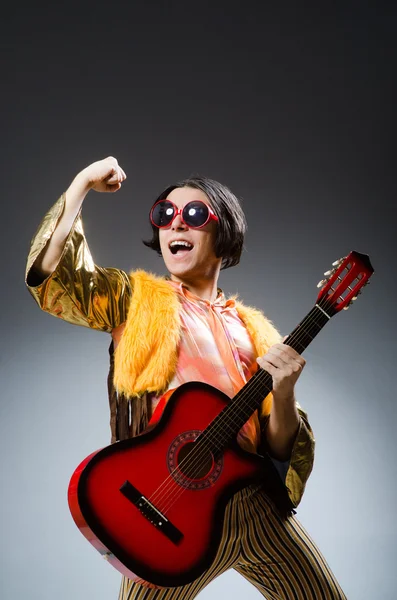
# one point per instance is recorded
(104, 175)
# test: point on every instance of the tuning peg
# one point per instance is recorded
(321, 283)
(349, 303)
(338, 262)
(330, 272)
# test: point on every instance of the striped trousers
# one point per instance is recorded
(276, 555)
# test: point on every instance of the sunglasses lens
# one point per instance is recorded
(195, 214)
(162, 214)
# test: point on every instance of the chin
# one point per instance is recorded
(179, 271)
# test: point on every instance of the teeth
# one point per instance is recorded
(181, 243)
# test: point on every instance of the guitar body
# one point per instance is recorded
(189, 488)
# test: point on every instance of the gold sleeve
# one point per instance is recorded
(78, 291)
(302, 459)
(302, 455)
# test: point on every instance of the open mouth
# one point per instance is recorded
(180, 246)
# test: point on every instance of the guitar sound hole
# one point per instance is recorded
(194, 463)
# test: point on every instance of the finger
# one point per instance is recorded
(114, 177)
(120, 174)
(286, 351)
(271, 359)
(278, 356)
(267, 366)
(113, 188)
(278, 362)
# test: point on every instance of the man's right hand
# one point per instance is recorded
(103, 175)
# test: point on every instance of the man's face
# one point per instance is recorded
(200, 261)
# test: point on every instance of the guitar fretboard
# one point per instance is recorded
(227, 424)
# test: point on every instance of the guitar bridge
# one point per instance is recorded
(150, 512)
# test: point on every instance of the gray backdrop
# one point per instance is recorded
(292, 108)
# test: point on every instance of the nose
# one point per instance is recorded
(178, 224)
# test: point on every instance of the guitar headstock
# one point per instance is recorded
(344, 282)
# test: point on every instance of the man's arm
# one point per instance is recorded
(286, 431)
(104, 175)
(61, 274)
(285, 366)
(282, 427)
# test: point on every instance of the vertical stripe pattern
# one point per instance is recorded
(276, 555)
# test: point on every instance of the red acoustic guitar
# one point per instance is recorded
(153, 505)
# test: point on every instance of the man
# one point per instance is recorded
(192, 333)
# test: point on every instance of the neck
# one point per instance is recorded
(206, 289)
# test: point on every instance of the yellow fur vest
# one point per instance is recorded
(147, 349)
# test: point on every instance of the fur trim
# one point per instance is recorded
(146, 357)
(262, 331)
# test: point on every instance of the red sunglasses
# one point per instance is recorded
(194, 214)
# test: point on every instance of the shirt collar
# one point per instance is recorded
(220, 300)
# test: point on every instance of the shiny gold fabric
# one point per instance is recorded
(84, 294)
(78, 291)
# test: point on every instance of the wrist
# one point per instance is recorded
(76, 193)
(284, 412)
(284, 398)
(82, 182)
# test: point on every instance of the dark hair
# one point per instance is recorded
(231, 226)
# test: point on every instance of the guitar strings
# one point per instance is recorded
(199, 455)
(195, 456)
(193, 459)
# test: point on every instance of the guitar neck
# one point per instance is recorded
(226, 425)
(340, 288)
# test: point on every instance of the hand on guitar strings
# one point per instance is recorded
(285, 366)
